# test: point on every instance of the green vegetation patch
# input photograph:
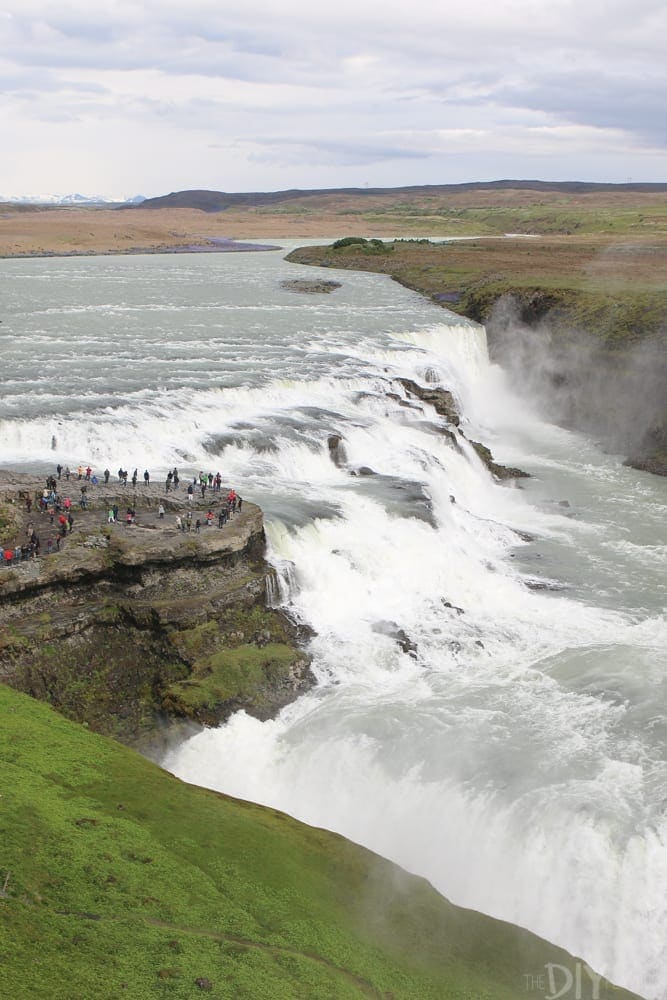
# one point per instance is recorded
(241, 672)
(117, 880)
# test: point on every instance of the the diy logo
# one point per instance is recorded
(559, 982)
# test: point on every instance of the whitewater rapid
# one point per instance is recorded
(512, 750)
(481, 761)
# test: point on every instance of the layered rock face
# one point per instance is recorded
(131, 625)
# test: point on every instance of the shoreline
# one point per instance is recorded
(216, 245)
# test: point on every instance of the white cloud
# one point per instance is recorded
(222, 95)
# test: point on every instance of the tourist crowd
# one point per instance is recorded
(55, 509)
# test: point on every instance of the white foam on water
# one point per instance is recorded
(466, 762)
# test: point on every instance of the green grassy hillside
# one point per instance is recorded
(121, 881)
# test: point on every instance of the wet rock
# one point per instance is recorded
(404, 402)
(406, 643)
(337, 450)
(501, 472)
(402, 639)
(440, 399)
(319, 286)
(651, 455)
(448, 604)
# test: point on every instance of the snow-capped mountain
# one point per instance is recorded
(69, 199)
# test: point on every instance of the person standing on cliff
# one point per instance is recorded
(147, 478)
(135, 476)
(106, 477)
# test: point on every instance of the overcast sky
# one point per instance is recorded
(118, 98)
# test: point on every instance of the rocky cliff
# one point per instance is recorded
(131, 625)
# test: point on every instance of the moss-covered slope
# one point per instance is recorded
(121, 881)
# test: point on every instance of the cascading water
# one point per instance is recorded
(481, 760)
(490, 660)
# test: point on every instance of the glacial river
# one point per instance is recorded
(515, 758)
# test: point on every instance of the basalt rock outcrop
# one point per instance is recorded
(442, 400)
(651, 453)
(445, 405)
(337, 450)
(131, 625)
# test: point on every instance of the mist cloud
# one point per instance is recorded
(618, 396)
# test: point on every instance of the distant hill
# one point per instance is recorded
(220, 201)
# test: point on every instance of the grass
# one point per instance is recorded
(241, 672)
(125, 882)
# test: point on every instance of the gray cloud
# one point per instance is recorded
(318, 151)
(435, 87)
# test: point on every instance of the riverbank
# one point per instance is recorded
(130, 626)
